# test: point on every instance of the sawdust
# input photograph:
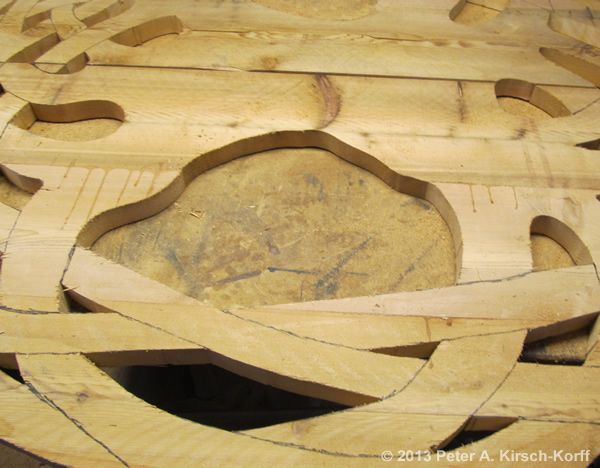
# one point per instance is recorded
(288, 226)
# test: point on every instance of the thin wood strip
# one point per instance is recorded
(147, 436)
(32, 423)
(451, 387)
(222, 332)
(547, 392)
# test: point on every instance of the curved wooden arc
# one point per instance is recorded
(563, 235)
(476, 12)
(533, 94)
(145, 32)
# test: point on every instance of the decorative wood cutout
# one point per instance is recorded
(406, 91)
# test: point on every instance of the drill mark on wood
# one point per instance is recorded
(314, 181)
(489, 189)
(96, 196)
(529, 163)
(331, 100)
(74, 203)
(462, 107)
(520, 134)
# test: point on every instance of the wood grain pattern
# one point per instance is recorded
(482, 114)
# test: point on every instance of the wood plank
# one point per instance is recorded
(430, 399)
(87, 396)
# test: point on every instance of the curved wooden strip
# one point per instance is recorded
(531, 444)
(96, 11)
(547, 393)
(137, 433)
(557, 294)
(380, 332)
(147, 31)
(110, 339)
(575, 61)
(311, 367)
(66, 23)
(459, 377)
(29, 422)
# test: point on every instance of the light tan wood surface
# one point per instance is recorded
(390, 207)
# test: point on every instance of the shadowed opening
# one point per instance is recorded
(477, 429)
(593, 145)
(562, 343)
(215, 397)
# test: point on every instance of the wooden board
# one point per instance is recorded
(417, 241)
